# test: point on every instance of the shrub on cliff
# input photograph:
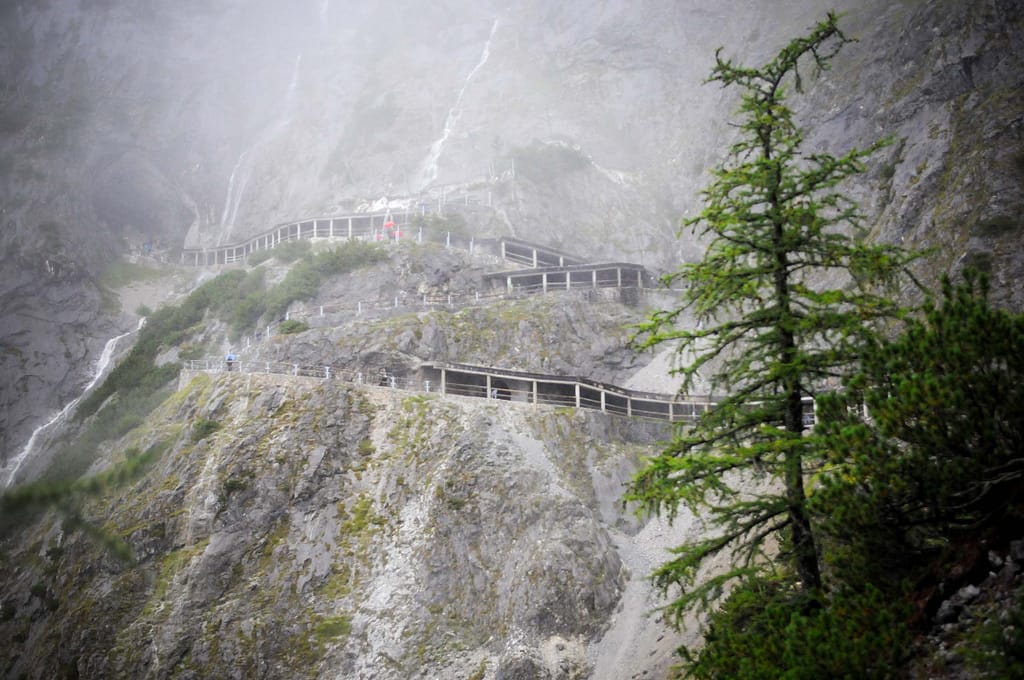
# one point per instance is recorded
(768, 630)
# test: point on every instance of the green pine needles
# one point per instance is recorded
(938, 459)
(786, 298)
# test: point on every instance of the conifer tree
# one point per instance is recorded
(785, 297)
(939, 457)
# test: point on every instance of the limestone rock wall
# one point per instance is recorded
(334, 531)
(585, 125)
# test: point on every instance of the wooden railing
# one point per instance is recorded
(496, 384)
(364, 227)
(487, 383)
(546, 269)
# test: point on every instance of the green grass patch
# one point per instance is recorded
(438, 225)
(330, 628)
(340, 583)
(233, 485)
(285, 253)
(252, 301)
(170, 566)
(203, 428)
(259, 257)
(292, 326)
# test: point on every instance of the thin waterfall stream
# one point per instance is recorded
(428, 174)
(242, 172)
(102, 363)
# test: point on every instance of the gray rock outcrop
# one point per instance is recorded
(334, 531)
(128, 130)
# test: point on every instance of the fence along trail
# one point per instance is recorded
(539, 270)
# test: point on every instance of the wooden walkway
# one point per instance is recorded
(364, 226)
(538, 269)
(498, 384)
(541, 267)
(601, 275)
(486, 382)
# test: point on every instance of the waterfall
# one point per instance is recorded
(234, 198)
(101, 367)
(242, 171)
(429, 171)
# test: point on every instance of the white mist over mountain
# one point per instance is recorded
(127, 125)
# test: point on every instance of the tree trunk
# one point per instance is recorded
(805, 549)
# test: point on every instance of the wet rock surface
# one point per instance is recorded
(328, 530)
(334, 530)
(113, 145)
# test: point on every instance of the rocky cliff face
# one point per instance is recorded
(582, 333)
(582, 124)
(948, 95)
(336, 531)
(343, 531)
(299, 527)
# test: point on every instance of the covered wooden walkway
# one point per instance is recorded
(504, 385)
(601, 275)
(536, 388)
